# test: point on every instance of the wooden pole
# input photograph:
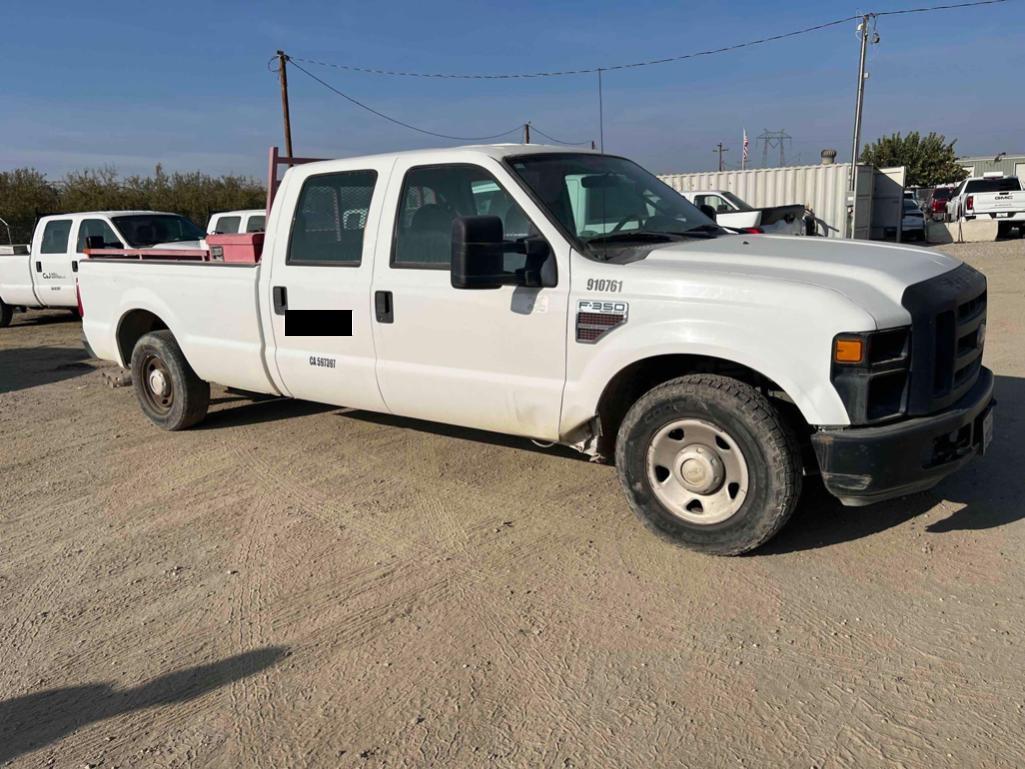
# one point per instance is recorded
(283, 76)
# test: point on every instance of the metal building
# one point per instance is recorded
(1008, 165)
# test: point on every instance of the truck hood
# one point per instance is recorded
(871, 275)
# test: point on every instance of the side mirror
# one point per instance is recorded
(708, 211)
(477, 246)
(95, 242)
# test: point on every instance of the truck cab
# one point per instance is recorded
(44, 275)
(573, 298)
(233, 222)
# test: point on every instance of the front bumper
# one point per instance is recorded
(863, 465)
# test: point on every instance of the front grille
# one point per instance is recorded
(948, 314)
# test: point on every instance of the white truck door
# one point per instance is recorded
(51, 264)
(489, 359)
(322, 262)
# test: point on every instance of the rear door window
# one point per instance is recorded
(256, 223)
(55, 236)
(330, 219)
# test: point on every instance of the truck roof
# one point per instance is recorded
(104, 213)
(496, 151)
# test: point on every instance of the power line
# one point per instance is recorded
(361, 105)
(648, 63)
(539, 132)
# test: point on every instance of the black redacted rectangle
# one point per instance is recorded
(318, 323)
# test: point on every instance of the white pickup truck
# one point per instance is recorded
(730, 211)
(43, 275)
(231, 222)
(485, 287)
(993, 196)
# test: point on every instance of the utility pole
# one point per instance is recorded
(719, 148)
(856, 145)
(526, 132)
(283, 76)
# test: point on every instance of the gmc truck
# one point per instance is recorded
(43, 275)
(573, 298)
(992, 196)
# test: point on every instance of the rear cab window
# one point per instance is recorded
(1007, 184)
(227, 225)
(256, 223)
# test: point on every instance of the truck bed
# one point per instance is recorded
(211, 308)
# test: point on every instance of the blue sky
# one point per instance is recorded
(130, 84)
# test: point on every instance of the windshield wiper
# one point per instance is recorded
(706, 230)
(646, 236)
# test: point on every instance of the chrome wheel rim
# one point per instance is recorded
(697, 471)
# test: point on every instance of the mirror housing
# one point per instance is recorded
(478, 256)
(477, 243)
(708, 211)
(95, 242)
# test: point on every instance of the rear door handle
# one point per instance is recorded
(39, 266)
(383, 307)
(280, 294)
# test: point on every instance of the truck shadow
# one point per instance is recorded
(41, 718)
(25, 367)
(991, 490)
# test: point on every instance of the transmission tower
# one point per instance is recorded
(772, 140)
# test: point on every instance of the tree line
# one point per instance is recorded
(26, 194)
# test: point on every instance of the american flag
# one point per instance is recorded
(747, 154)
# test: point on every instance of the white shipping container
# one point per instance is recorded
(822, 189)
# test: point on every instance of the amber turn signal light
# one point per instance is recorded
(849, 350)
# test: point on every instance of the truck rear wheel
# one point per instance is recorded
(6, 313)
(169, 391)
(709, 464)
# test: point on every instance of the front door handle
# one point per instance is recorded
(280, 295)
(383, 307)
(39, 266)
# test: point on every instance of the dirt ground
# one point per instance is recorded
(296, 586)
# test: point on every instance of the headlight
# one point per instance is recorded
(870, 373)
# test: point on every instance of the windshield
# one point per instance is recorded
(605, 201)
(141, 230)
(740, 204)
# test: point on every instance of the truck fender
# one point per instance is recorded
(799, 370)
(141, 311)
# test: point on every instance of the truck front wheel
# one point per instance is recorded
(6, 313)
(709, 464)
(169, 391)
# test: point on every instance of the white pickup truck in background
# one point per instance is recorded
(572, 297)
(231, 222)
(43, 275)
(993, 196)
(730, 211)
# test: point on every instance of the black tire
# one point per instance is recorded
(183, 399)
(6, 313)
(766, 442)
